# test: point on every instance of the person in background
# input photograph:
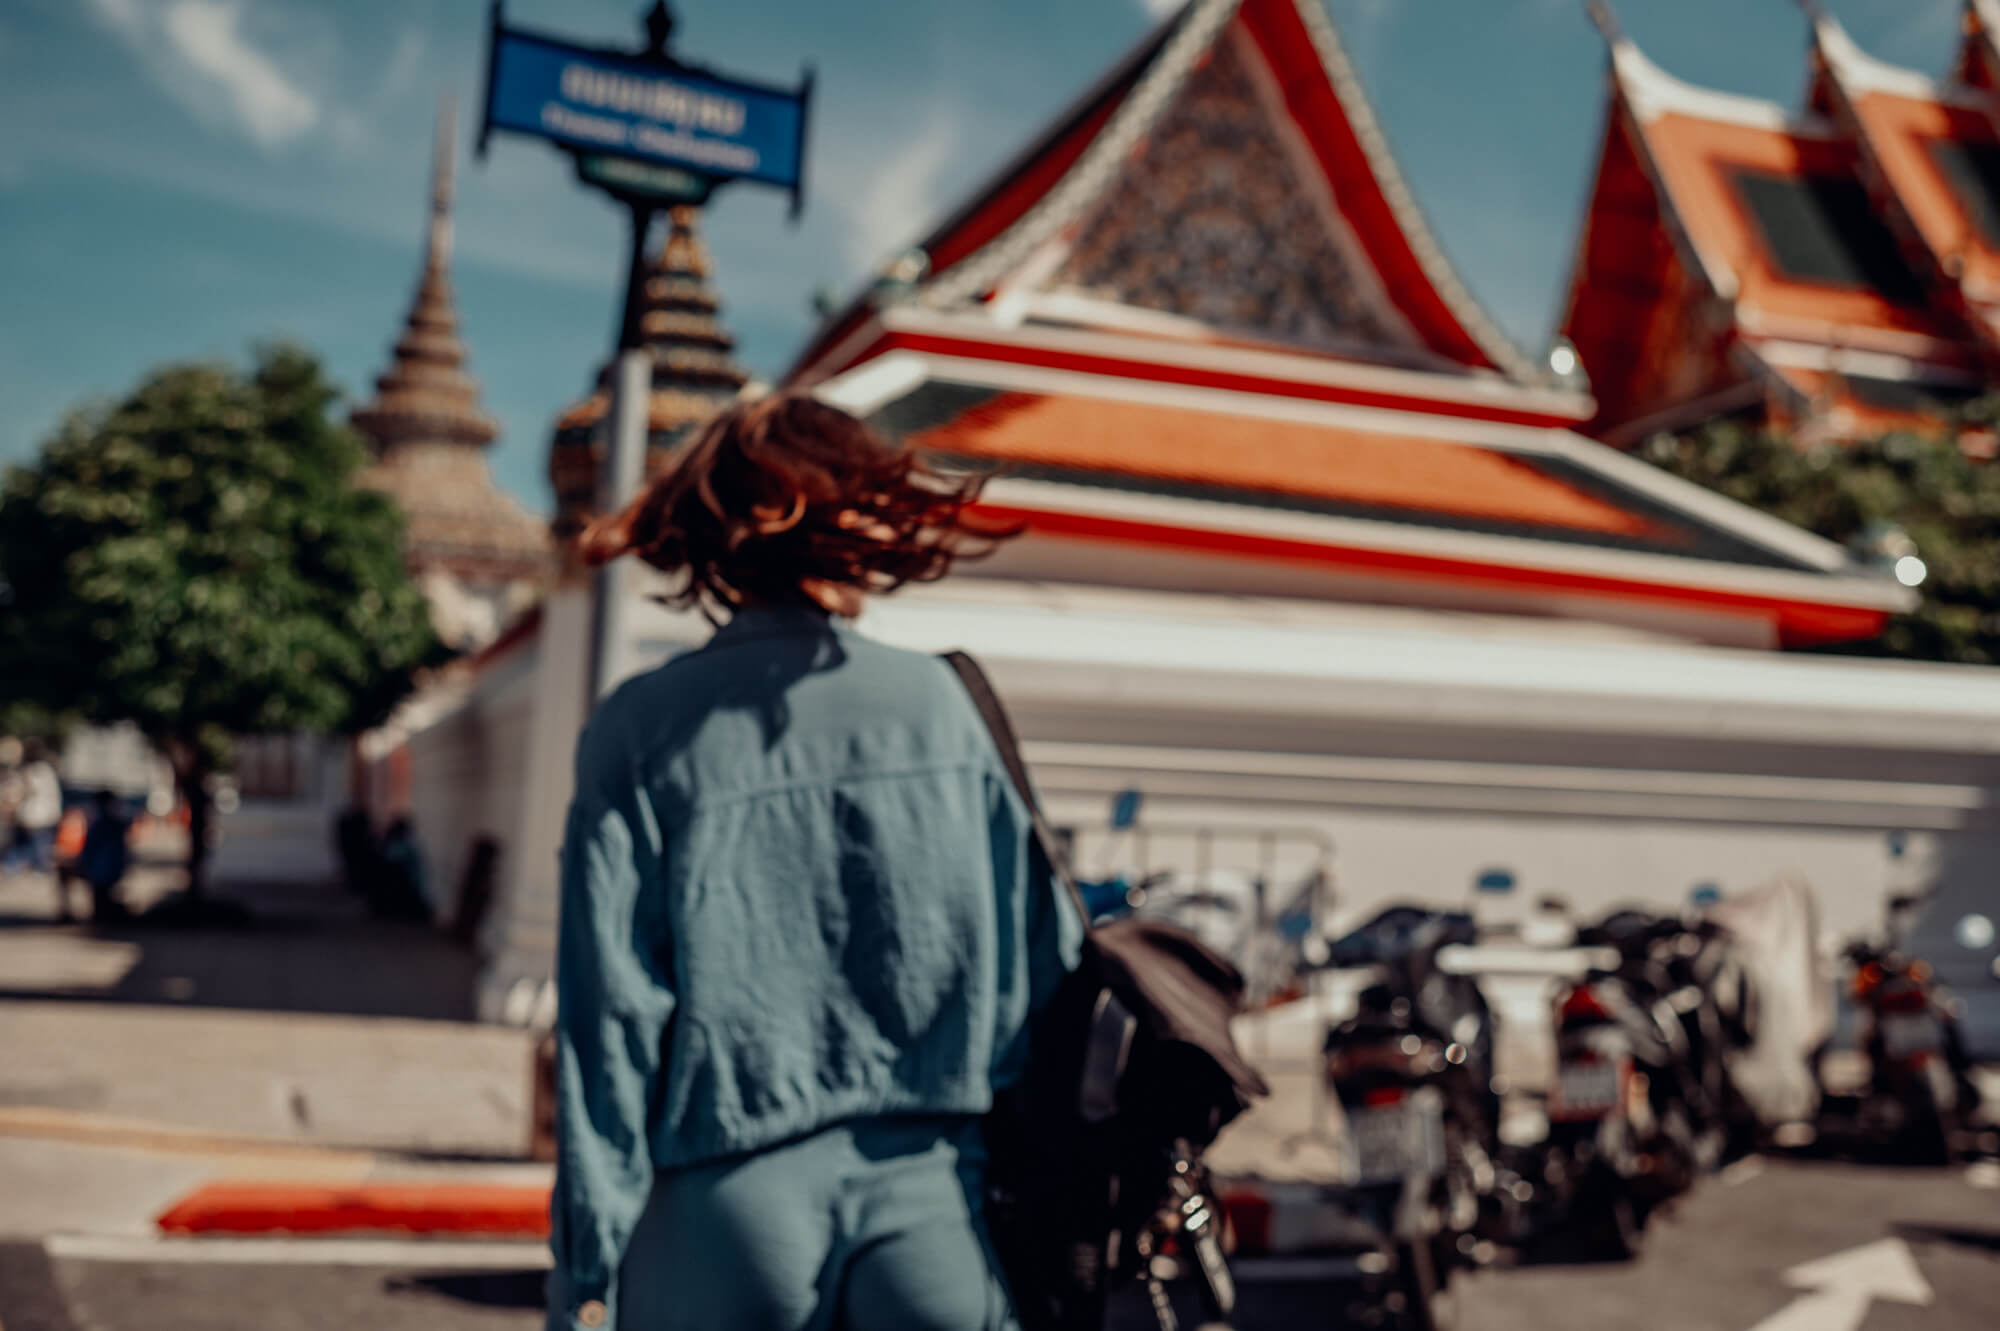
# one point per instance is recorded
(106, 855)
(37, 811)
(401, 895)
(70, 834)
(10, 794)
(354, 843)
(802, 927)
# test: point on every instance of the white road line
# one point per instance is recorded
(424, 1253)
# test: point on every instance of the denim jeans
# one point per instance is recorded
(867, 1226)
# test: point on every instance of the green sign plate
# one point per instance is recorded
(643, 180)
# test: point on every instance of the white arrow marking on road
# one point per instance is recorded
(1844, 1284)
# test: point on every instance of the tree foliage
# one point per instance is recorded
(195, 558)
(1947, 502)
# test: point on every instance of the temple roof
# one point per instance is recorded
(1331, 500)
(695, 371)
(1226, 183)
(1729, 242)
(1936, 154)
(428, 430)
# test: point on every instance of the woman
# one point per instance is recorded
(802, 931)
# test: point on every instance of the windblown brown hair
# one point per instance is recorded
(790, 501)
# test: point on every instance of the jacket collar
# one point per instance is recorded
(790, 621)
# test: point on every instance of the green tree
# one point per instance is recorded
(196, 559)
(1946, 502)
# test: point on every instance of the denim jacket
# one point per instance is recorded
(797, 888)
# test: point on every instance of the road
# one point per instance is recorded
(1718, 1263)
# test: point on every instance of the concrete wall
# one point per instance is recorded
(1424, 749)
(287, 841)
(468, 774)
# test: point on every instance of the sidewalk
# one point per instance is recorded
(311, 1046)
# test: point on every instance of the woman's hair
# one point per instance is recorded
(789, 501)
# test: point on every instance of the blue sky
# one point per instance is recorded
(181, 177)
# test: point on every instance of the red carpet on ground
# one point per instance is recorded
(492, 1210)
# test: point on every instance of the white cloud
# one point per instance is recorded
(895, 198)
(198, 52)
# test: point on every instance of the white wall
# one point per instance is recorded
(1602, 767)
(467, 774)
(287, 841)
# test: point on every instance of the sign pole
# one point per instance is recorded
(624, 462)
(653, 131)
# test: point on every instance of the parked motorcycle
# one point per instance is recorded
(1623, 1131)
(1412, 1069)
(1920, 1089)
(1693, 967)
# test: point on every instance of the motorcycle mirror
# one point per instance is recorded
(1974, 932)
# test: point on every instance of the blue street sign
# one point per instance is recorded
(612, 104)
(1495, 880)
(1704, 895)
(1125, 809)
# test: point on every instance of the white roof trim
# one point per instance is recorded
(1229, 402)
(1097, 167)
(866, 389)
(1988, 14)
(1740, 520)
(1065, 306)
(1860, 73)
(872, 385)
(1652, 92)
(1868, 593)
(1499, 348)
(1848, 360)
(1761, 324)
(1471, 388)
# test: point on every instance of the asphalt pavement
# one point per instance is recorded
(1774, 1245)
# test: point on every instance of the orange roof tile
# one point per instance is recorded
(1699, 159)
(1904, 133)
(1348, 466)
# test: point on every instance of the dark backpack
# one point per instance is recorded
(1131, 1073)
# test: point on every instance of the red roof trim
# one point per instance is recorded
(1123, 367)
(1798, 623)
(1003, 199)
(1314, 104)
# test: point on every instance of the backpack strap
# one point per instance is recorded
(1002, 730)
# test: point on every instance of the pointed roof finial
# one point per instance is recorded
(426, 395)
(659, 29)
(1607, 23)
(443, 166)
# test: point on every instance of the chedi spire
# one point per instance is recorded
(426, 393)
(477, 552)
(695, 373)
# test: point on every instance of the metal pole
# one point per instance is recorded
(624, 464)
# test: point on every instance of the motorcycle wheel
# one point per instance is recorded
(1927, 1127)
(1426, 1302)
(1611, 1225)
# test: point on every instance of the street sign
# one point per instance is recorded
(644, 109)
(1495, 881)
(642, 180)
(1125, 809)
